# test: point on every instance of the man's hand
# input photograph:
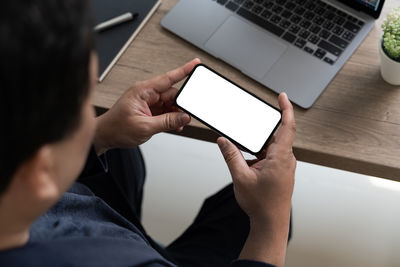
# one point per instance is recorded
(147, 108)
(264, 190)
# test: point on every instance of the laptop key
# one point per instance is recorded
(324, 34)
(351, 27)
(300, 43)
(260, 22)
(294, 29)
(257, 9)
(305, 23)
(337, 30)
(328, 60)
(304, 34)
(315, 29)
(276, 19)
(309, 50)
(319, 20)
(290, 5)
(328, 25)
(310, 5)
(338, 41)
(248, 4)
(232, 6)
(289, 37)
(348, 36)
(329, 15)
(277, 9)
(286, 14)
(339, 20)
(266, 14)
(222, 2)
(352, 19)
(239, 2)
(319, 10)
(285, 24)
(268, 4)
(299, 10)
(309, 15)
(320, 53)
(314, 39)
(295, 19)
(330, 48)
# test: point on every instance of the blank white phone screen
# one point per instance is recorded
(229, 109)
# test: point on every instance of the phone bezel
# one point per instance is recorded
(216, 130)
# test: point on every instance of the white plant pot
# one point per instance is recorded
(390, 69)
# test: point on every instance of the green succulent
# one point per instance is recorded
(391, 34)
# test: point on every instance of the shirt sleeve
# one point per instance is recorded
(250, 263)
(95, 164)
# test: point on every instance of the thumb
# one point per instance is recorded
(234, 159)
(169, 121)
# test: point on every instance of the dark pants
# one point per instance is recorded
(217, 234)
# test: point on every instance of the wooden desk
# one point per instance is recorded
(354, 125)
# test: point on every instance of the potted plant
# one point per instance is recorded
(390, 48)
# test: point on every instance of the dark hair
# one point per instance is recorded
(45, 48)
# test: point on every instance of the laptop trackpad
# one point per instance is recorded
(246, 47)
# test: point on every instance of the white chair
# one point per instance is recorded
(340, 219)
(344, 219)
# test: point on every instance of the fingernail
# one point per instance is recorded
(184, 119)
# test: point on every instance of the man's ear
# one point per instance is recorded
(37, 177)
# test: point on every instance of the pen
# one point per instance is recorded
(115, 21)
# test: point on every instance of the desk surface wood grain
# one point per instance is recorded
(354, 125)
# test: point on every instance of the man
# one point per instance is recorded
(48, 72)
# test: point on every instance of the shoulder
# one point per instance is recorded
(84, 252)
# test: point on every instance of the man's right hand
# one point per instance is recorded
(264, 189)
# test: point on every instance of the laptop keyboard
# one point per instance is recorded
(311, 25)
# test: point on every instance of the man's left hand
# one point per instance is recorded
(147, 108)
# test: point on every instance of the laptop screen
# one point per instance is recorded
(371, 4)
(371, 7)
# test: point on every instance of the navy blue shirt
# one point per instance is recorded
(82, 230)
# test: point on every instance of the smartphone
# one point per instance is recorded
(228, 109)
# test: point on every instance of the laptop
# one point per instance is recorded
(292, 46)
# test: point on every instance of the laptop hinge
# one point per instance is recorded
(351, 4)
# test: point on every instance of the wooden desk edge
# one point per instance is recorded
(305, 155)
(309, 156)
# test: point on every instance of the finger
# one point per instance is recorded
(234, 159)
(165, 102)
(169, 95)
(179, 74)
(287, 131)
(164, 82)
(168, 122)
(150, 97)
